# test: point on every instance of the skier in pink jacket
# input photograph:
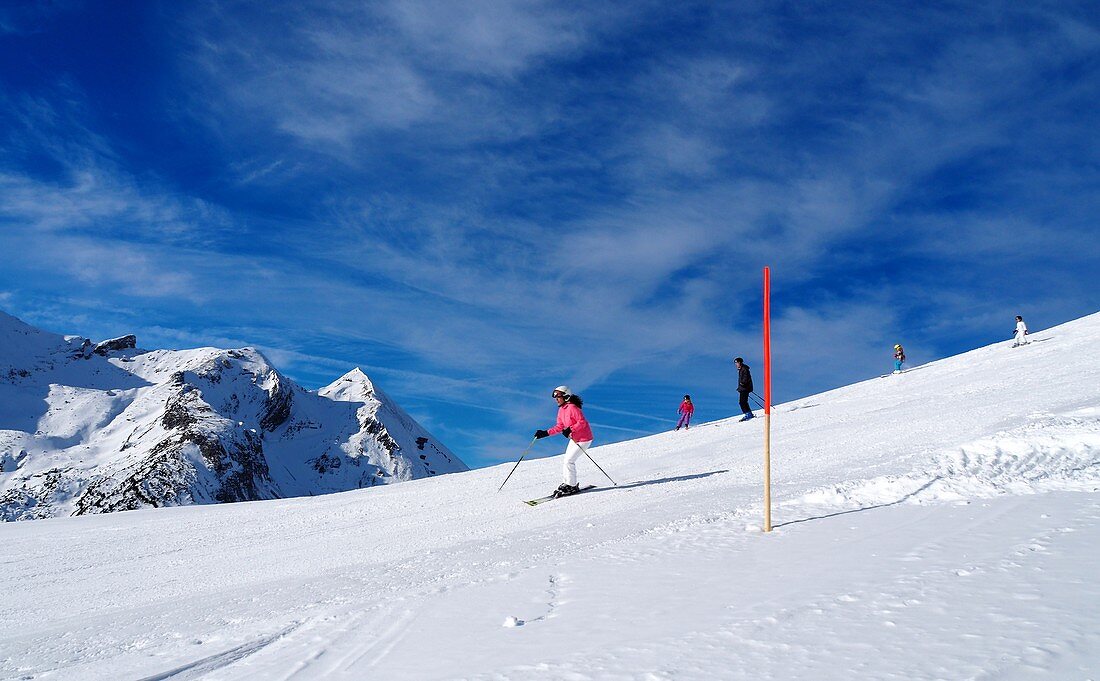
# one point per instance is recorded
(573, 425)
(686, 410)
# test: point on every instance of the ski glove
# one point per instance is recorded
(539, 434)
(567, 432)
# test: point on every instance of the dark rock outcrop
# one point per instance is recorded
(277, 406)
(128, 342)
(227, 469)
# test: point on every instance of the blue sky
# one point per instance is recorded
(476, 202)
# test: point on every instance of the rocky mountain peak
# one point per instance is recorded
(354, 386)
(85, 431)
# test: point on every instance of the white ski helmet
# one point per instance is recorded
(563, 389)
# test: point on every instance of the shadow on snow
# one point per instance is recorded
(661, 481)
(902, 500)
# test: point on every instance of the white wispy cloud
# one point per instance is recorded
(519, 190)
(342, 71)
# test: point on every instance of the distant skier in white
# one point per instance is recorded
(1021, 332)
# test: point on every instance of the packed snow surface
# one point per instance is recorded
(943, 523)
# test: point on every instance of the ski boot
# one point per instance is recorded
(565, 490)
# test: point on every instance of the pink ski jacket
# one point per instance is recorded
(571, 416)
(686, 408)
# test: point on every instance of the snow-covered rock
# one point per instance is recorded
(119, 428)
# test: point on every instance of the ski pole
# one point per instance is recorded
(759, 400)
(593, 460)
(517, 463)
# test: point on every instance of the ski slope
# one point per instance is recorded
(939, 524)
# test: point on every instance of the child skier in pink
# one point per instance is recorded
(686, 410)
(573, 425)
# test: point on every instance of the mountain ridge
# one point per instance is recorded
(100, 427)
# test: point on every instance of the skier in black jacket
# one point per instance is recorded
(744, 387)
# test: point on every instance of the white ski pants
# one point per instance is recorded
(569, 465)
(1021, 338)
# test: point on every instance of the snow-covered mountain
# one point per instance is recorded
(99, 427)
(938, 524)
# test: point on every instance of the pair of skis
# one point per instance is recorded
(551, 497)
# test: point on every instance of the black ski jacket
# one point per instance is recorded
(744, 379)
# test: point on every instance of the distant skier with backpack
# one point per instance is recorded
(899, 357)
(744, 387)
(1021, 332)
(686, 410)
(573, 425)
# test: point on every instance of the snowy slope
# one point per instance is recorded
(939, 524)
(93, 428)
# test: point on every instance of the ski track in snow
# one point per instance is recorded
(207, 665)
(364, 647)
(905, 547)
